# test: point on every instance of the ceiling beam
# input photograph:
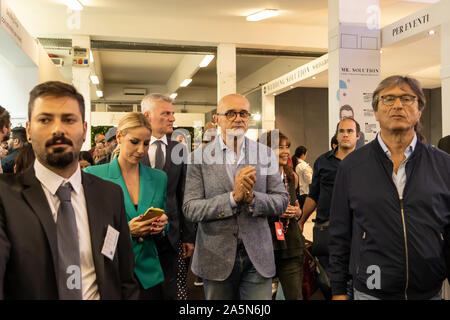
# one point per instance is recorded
(186, 69)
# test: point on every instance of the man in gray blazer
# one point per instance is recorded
(232, 186)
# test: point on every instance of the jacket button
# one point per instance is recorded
(140, 240)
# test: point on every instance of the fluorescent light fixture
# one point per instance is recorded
(206, 60)
(91, 56)
(95, 80)
(74, 5)
(257, 117)
(99, 93)
(431, 32)
(423, 1)
(263, 14)
(173, 95)
(185, 83)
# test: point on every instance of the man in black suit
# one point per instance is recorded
(167, 155)
(63, 232)
(444, 144)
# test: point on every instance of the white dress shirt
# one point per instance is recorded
(399, 178)
(50, 182)
(152, 149)
(304, 173)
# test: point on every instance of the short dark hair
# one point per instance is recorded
(85, 155)
(4, 118)
(358, 128)
(19, 133)
(397, 80)
(301, 150)
(56, 89)
(346, 107)
(333, 141)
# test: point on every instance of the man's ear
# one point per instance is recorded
(84, 131)
(27, 128)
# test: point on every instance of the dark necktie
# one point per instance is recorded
(159, 156)
(69, 273)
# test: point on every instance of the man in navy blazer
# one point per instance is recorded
(234, 185)
(178, 244)
(31, 213)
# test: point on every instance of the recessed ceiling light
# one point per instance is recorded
(206, 60)
(95, 80)
(431, 32)
(173, 95)
(314, 78)
(99, 93)
(73, 4)
(381, 51)
(263, 14)
(185, 83)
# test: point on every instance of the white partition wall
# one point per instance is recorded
(354, 67)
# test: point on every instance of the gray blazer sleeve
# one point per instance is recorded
(274, 201)
(195, 207)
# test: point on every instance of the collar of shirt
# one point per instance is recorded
(163, 139)
(332, 153)
(53, 181)
(223, 146)
(408, 151)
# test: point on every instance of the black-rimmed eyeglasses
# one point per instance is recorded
(231, 115)
(406, 99)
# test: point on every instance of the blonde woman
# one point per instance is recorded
(143, 187)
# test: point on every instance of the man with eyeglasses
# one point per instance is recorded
(233, 186)
(390, 212)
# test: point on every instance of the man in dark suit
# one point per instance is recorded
(444, 144)
(63, 232)
(178, 245)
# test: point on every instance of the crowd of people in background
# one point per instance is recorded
(234, 208)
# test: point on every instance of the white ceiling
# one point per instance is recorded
(301, 25)
(138, 67)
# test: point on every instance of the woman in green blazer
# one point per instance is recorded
(143, 187)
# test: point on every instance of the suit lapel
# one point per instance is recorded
(96, 226)
(35, 197)
(146, 190)
(169, 147)
(220, 167)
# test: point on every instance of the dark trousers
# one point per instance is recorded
(302, 199)
(290, 274)
(326, 290)
(153, 293)
(168, 257)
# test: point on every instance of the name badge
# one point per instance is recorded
(279, 230)
(110, 244)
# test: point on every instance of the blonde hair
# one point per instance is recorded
(130, 121)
